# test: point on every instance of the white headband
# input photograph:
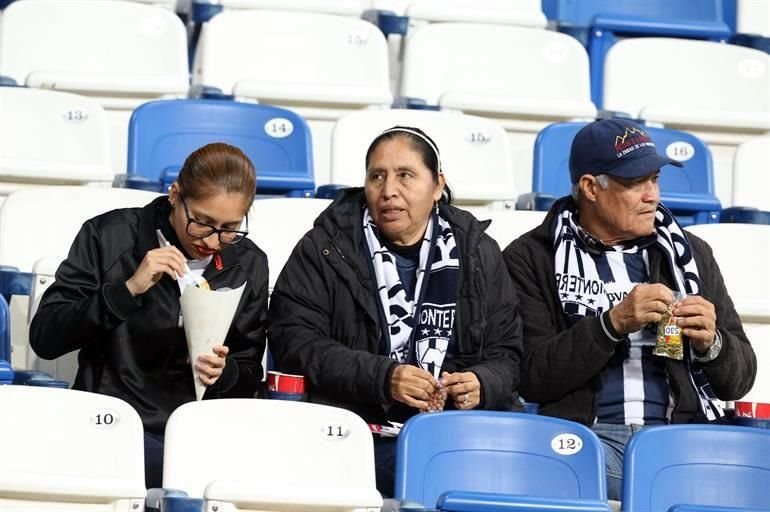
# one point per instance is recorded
(421, 136)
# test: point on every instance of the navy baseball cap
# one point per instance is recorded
(616, 147)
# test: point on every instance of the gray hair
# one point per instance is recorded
(602, 179)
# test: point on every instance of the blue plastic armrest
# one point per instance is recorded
(396, 505)
(330, 191)
(744, 215)
(629, 24)
(171, 500)
(14, 282)
(413, 104)
(168, 176)
(38, 379)
(7, 81)
(757, 42)
(137, 182)
(203, 10)
(458, 501)
(710, 508)
(536, 201)
(6, 373)
(387, 21)
(207, 92)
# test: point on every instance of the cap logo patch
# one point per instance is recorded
(632, 138)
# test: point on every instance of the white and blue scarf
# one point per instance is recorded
(574, 263)
(419, 331)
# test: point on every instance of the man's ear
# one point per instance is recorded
(588, 187)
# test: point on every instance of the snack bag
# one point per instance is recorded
(670, 341)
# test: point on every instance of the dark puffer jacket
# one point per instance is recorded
(132, 347)
(561, 366)
(324, 321)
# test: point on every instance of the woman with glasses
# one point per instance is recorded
(116, 296)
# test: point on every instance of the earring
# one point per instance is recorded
(435, 205)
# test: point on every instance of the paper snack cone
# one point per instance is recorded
(207, 316)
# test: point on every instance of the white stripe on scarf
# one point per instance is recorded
(400, 313)
(671, 239)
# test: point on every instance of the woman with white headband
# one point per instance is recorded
(397, 303)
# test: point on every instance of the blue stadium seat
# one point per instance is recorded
(598, 24)
(490, 460)
(744, 215)
(688, 192)
(5, 331)
(714, 466)
(162, 134)
(6, 373)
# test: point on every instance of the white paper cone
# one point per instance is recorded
(207, 316)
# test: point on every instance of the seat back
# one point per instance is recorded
(525, 13)
(288, 452)
(508, 225)
(740, 251)
(753, 17)
(277, 141)
(278, 239)
(478, 68)
(475, 152)
(54, 231)
(70, 450)
(759, 336)
(319, 65)
(714, 465)
(582, 13)
(98, 48)
(49, 137)
(510, 453)
(751, 169)
(5, 331)
(724, 103)
(340, 7)
(120, 53)
(687, 191)
(65, 367)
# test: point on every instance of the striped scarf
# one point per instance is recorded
(419, 331)
(574, 263)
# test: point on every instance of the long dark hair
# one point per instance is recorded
(423, 145)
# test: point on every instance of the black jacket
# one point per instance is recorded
(132, 347)
(561, 365)
(324, 321)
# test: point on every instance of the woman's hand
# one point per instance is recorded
(165, 260)
(412, 386)
(210, 367)
(462, 387)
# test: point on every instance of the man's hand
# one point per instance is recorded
(644, 305)
(697, 318)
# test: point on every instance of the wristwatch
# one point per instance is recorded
(712, 352)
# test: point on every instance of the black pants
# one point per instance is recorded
(385, 464)
(153, 460)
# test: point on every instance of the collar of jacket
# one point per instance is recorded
(343, 224)
(147, 239)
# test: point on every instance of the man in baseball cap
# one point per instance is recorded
(595, 280)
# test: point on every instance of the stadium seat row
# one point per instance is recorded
(74, 450)
(521, 77)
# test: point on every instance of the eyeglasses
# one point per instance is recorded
(203, 230)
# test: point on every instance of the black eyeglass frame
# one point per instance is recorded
(213, 229)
